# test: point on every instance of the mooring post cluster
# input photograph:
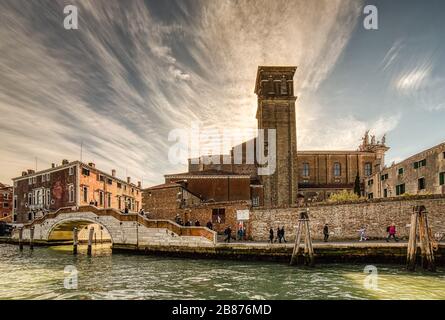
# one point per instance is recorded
(303, 224)
(419, 223)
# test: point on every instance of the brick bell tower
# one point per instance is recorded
(276, 110)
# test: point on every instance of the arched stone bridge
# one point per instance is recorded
(124, 229)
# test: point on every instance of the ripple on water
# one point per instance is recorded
(40, 275)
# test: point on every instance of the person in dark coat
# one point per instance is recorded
(278, 235)
(282, 234)
(210, 225)
(326, 232)
(197, 223)
(228, 233)
(271, 235)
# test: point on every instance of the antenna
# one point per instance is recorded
(36, 163)
(81, 150)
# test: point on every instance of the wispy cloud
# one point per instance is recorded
(127, 77)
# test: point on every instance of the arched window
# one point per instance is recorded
(305, 170)
(337, 169)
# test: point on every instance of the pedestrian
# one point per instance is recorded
(126, 210)
(278, 235)
(141, 212)
(210, 225)
(188, 223)
(326, 232)
(392, 232)
(282, 234)
(362, 234)
(228, 233)
(271, 235)
(178, 219)
(240, 234)
(197, 223)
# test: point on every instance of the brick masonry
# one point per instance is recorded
(346, 219)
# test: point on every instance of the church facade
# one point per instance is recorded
(222, 186)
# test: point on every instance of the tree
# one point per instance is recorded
(357, 189)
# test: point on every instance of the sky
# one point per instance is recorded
(134, 71)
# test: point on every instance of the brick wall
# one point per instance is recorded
(345, 219)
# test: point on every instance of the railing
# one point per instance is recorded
(149, 223)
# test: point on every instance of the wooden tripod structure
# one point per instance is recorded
(419, 222)
(303, 226)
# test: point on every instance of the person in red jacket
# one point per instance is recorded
(392, 233)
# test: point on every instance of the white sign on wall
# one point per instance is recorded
(242, 215)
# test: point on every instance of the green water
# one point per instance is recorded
(40, 275)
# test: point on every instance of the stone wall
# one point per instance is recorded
(346, 219)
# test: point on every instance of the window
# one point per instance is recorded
(43, 178)
(109, 181)
(368, 169)
(421, 183)
(119, 185)
(400, 189)
(48, 197)
(30, 199)
(419, 164)
(101, 198)
(385, 177)
(71, 193)
(443, 154)
(85, 194)
(48, 177)
(370, 182)
(29, 181)
(337, 169)
(5, 205)
(85, 172)
(370, 195)
(400, 171)
(256, 201)
(119, 205)
(15, 202)
(71, 171)
(108, 200)
(34, 180)
(385, 193)
(219, 215)
(442, 178)
(101, 178)
(305, 171)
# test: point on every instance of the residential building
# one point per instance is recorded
(6, 199)
(71, 184)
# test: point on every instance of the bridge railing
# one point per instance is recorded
(149, 223)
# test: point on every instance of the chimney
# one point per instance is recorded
(31, 171)
(92, 165)
(113, 173)
(128, 180)
(65, 162)
(24, 173)
(139, 185)
(53, 165)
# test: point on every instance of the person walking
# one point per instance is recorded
(392, 233)
(326, 232)
(278, 235)
(282, 234)
(362, 234)
(228, 233)
(271, 235)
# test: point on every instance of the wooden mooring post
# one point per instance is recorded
(21, 238)
(75, 233)
(31, 238)
(90, 241)
(419, 222)
(303, 226)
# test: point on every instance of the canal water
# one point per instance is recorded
(39, 274)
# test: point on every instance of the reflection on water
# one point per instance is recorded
(40, 275)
